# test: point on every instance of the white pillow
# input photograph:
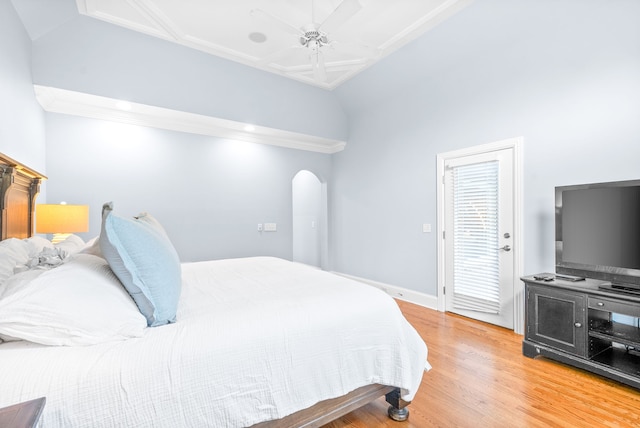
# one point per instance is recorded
(13, 252)
(71, 245)
(78, 303)
(36, 244)
(19, 247)
(93, 247)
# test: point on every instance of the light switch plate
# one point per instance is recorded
(270, 227)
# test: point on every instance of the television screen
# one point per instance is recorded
(601, 226)
(598, 231)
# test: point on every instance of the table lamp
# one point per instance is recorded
(62, 220)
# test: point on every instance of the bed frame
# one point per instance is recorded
(330, 410)
(19, 187)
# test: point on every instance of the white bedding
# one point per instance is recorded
(255, 339)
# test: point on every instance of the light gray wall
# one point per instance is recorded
(208, 193)
(22, 134)
(87, 55)
(563, 74)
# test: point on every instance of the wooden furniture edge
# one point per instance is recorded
(584, 354)
(330, 410)
(22, 415)
(19, 187)
(6, 160)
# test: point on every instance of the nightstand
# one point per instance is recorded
(22, 415)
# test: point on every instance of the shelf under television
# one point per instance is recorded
(619, 359)
(616, 332)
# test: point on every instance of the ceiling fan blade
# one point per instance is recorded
(338, 17)
(278, 22)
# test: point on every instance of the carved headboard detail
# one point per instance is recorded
(19, 186)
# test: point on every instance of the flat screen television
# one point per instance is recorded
(598, 233)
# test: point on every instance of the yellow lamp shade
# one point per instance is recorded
(61, 218)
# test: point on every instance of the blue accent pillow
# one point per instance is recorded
(141, 255)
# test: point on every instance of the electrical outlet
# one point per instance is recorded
(259, 227)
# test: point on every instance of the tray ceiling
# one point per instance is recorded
(266, 35)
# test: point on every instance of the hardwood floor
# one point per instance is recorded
(481, 379)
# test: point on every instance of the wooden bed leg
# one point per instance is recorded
(398, 409)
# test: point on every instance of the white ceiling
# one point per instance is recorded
(235, 29)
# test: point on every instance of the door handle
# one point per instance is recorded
(506, 248)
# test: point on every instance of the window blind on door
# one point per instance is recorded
(476, 275)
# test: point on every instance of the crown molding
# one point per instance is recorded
(63, 101)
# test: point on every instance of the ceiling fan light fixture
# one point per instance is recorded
(313, 36)
(317, 37)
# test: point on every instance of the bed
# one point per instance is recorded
(256, 341)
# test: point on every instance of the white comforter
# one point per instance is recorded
(256, 339)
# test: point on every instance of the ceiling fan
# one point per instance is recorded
(313, 37)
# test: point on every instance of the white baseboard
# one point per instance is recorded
(411, 296)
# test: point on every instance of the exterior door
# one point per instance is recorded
(478, 236)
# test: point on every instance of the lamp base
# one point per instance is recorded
(59, 237)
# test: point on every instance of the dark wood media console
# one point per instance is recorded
(576, 323)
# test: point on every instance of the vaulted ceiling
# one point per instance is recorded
(319, 42)
(276, 36)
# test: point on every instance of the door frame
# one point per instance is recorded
(516, 144)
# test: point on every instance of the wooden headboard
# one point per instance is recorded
(19, 186)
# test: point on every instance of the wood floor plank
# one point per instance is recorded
(481, 379)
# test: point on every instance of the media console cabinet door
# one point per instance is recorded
(557, 318)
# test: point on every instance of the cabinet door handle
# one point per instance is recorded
(578, 325)
(600, 304)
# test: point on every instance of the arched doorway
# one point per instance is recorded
(309, 220)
